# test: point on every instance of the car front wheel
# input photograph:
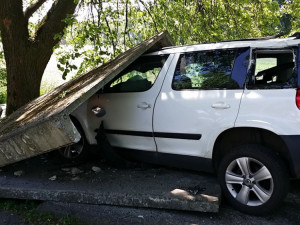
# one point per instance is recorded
(76, 152)
(253, 179)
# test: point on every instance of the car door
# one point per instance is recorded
(199, 99)
(128, 101)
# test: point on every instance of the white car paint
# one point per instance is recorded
(205, 112)
(130, 111)
(266, 44)
(272, 109)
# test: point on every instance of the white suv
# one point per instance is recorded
(229, 107)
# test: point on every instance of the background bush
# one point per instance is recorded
(3, 84)
(2, 95)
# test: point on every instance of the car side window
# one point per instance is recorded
(205, 70)
(274, 68)
(139, 76)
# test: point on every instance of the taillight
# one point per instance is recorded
(298, 98)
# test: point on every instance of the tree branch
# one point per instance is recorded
(33, 8)
(155, 26)
(126, 22)
(112, 38)
(53, 24)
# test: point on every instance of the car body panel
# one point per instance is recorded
(273, 109)
(203, 112)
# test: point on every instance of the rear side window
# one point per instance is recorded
(273, 69)
(205, 70)
(139, 76)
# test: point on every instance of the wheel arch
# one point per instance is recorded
(234, 137)
(78, 125)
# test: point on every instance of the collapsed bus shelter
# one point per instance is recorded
(44, 124)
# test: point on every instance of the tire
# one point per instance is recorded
(253, 179)
(77, 152)
(108, 152)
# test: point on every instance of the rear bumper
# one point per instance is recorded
(293, 144)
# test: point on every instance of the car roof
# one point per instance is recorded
(274, 43)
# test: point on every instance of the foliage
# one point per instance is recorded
(291, 9)
(28, 210)
(105, 28)
(111, 26)
(3, 84)
(46, 87)
(3, 95)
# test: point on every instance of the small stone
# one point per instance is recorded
(75, 171)
(96, 169)
(19, 173)
(53, 178)
(75, 178)
(66, 169)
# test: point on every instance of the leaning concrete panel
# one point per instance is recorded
(44, 124)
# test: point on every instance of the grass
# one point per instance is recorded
(28, 210)
(265, 63)
(46, 87)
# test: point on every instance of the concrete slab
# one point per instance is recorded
(44, 124)
(46, 178)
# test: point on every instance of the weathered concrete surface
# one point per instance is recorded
(44, 124)
(288, 214)
(154, 188)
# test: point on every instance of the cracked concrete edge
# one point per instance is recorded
(202, 204)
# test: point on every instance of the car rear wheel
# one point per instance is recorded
(253, 179)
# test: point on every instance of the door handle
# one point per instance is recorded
(144, 105)
(220, 105)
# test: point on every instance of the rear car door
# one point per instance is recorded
(199, 99)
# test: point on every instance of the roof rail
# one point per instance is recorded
(254, 39)
(296, 35)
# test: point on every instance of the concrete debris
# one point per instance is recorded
(66, 169)
(96, 169)
(53, 178)
(18, 173)
(75, 178)
(76, 171)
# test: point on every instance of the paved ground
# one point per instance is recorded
(288, 214)
(47, 178)
(103, 214)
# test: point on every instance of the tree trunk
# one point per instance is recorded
(24, 77)
(27, 57)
